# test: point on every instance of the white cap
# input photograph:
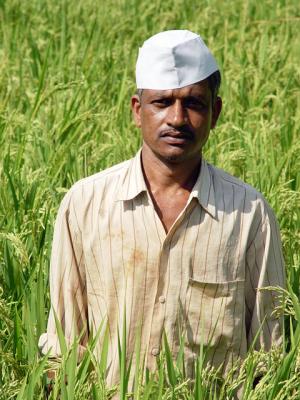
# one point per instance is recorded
(173, 59)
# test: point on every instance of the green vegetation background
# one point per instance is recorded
(66, 76)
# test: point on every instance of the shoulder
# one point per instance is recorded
(106, 176)
(96, 186)
(241, 194)
(230, 181)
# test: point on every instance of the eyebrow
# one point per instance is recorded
(163, 95)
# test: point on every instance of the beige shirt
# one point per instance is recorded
(201, 279)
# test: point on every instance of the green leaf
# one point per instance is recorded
(169, 361)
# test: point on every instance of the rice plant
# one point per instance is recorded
(66, 77)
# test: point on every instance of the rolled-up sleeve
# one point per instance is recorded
(264, 268)
(67, 283)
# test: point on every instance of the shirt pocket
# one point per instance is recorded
(224, 265)
(215, 315)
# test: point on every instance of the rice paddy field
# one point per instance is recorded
(66, 77)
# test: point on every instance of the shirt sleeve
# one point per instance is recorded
(67, 283)
(264, 267)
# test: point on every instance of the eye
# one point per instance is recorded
(162, 102)
(195, 104)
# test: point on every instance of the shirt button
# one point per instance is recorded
(162, 299)
(155, 351)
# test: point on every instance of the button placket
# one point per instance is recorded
(155, 351)
(162, 299)
(159, 310)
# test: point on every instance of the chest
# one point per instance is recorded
(132, 264)
(128, 242)
(169, 207)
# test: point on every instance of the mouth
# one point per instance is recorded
(174, 137)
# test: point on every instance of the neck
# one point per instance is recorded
(162, 174)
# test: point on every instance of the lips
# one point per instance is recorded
(176, 137)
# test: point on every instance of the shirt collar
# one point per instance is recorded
(134, 183)
(204, 190)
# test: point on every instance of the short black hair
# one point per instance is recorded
(214, 83)
(139, 92)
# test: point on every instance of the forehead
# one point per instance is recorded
(199, 89)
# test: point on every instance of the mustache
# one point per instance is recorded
(182, 132)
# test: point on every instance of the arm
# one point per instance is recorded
(264, 267)
(67, 283)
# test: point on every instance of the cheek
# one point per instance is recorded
(200, 121)
(152, 119)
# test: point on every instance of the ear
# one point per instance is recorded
(136, 109)
(216, 111)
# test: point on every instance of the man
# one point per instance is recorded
(178, 244)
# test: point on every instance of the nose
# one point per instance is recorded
(177, 114)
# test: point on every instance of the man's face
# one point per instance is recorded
(175, 123)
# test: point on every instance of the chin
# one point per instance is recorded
(174, 157)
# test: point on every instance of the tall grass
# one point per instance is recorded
(66, 76)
